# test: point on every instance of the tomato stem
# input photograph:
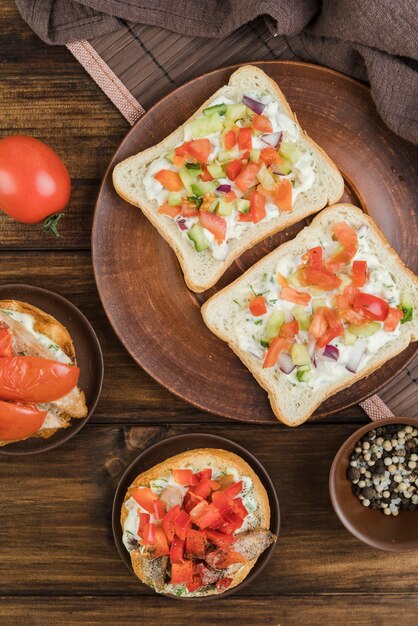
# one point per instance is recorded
(51, 223)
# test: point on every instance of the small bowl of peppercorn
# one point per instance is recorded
(373, 484)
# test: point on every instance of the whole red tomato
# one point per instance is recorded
(34, 182)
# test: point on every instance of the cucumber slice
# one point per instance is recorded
(224, 208)
(284, 168)
(255, 155)
(300, 354)
(349, 338)
(301, 315)
(266, 179)
(274, 324)
(196, 234)
(290, 152)
(228, 155)
(206, 125)
(174, 198)
(235, 111)
(406, 306)
(215, 170)
(317, 303)
(199, 188)
(213, 206)
(194, 168)
(187, 178)
(170, 156)
(365, 330)
(243, 205)
(304, 375)
(293, 279)
(216, 108)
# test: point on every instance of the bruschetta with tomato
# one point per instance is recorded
(196, 524)
(240, 169)
(38, 374)
(320, 312)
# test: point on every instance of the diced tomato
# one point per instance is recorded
(220, 539)
(374, 308)
(345, 302)
(230, 196)
(231, 524)
(215, 224)
(346, 235)
(230, 139)
(289, 329)
(222, 502)
(247, 177)
(359, 271)
(392, 320)
(171, 211)
(245, 217)
(283, 195)
(223, 583)
(258, 306)
(170, 180)
(233, 168)
(269, 156)
(195, 584)
(168, 523)
(145, 498)
(245, 156)
(190, 501)
(206, 175)
(5, 342)
(199, 149)
(205, 474)
(179, 161)
(258, 206)
(313, 257)
(182, 523)
(182, 572)
(290, 294)
(245, 141)
(206, 515)
(144, 518)
(233, 490)
(318, 325)
(160, 543)
(189, 210)
(148, 534)
(159, 509)
(185, 477)
(262, 123)
(177, 550)
(195, 544)
(239, 508)
(207, 575)
(334, 327)
(319, 277)
(279, 344)
(218, 559)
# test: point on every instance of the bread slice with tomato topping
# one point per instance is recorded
(35, 334)
(320, 312)
(237, 171)
(196, 523)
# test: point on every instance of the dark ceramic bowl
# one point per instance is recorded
(175, 445)
(88, 353)
(385, 532)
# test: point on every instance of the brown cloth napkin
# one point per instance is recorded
(373, 40)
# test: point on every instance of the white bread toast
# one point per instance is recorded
(201, 270)
(293, 404)
(198, 459)
(71, 406)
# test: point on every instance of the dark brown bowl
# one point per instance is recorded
(175, 445)
(89, 359)
(385, 532)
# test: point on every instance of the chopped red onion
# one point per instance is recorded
(254, 105)
(273, 139)
(181, 223)
(331, 352)
(356, 355)
(285, 363)
(224, 188)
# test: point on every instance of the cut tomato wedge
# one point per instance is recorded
(185, 477)
(215, 224)
(233, 168)
(258, 207)
(245, 141)
(392, 320)
(279, 344)
(290, 294)
(195, 544)
(188, 209)
(269, 156)
(37, 380)
(258, 306)
(5, 342)
(313, 257)
(222, 540)
(182, 572)
(318, 325)
(177, 550)
(145, 498)
(230, 196)
(262, 123)
(345, 302)
(148, 534)
(359, 271)
(195, 584)
(289, 329)
(230, 139)
(247, 177)
(334, 328)
(18, 421)
(371, 306)
(160, 543)
(233, 490)
(144, 518)
(223, 583)
(159, 509)
(319, 277)
(170, 180)
(171, 211)
(347, 237)
(283, 195)
(199, 149)
(182, 523)
(168, 523)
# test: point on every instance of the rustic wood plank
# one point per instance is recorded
(335, 610)
(55, 516)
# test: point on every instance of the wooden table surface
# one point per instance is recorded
(58, 562)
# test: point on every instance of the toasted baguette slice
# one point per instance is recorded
(201, 270)
(71, 406)
(153, 572)
(294, 404)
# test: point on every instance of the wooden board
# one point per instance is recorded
(140, 282)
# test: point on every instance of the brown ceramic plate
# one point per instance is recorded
(140, 282)
(88, 353)
(394, 534)
(181, 443)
